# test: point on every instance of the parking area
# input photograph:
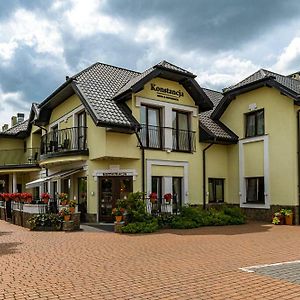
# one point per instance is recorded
(197, 264)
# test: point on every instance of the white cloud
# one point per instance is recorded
(85, 19)
(7, 109)
(289, 55)
(27, 28)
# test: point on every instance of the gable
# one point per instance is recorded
(163, 90)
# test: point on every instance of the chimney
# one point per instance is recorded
(4, 127)
(13, 121)
(295, 75)
(20, 117)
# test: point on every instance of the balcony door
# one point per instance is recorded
(110, 190)
(151, 133)
(82, 131)
(181, 132)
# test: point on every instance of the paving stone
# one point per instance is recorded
(171, 264)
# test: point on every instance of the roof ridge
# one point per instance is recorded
(103, 64)
(212, 90)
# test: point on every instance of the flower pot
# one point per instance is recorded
(118, 219)
(67, 218)
(153, 200)
(72, 210)
(45, 200)
(289, 219)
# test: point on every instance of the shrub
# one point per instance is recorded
(183, 223)
(141, 227)
(50, 221)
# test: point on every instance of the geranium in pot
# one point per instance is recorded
(168, 198)
(153, 197)
(118, 213)
(63, 198)
(65, 213)
(26, 197)
(45, 197)
(72, 205)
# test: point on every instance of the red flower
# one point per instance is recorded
(153, 196)
(168, 197)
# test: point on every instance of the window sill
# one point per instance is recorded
(255, 205)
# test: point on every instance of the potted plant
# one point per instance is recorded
(278, 215)
(288, 216)
(72, 205)
(65, 213)
(26, 197)
(45, 197)
(168, 198)
(6, 196)
(153, 197)
(16, 197)
(118, 213)
(63, 198)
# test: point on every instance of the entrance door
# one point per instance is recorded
(110, 190)
(82, 198)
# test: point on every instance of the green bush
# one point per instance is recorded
(46, 221)
(192, 217)
(141, 227)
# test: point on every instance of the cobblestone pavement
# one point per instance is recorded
(193, 264)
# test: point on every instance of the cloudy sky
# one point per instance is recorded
(222, 41)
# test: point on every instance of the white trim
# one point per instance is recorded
(184, 164)
(265, 140)
(191, 109)
(72, 113)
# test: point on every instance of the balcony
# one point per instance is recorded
(156, 137)
(19, 158)
(62, 142)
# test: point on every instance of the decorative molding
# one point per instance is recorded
(242, 194)
(184, 164)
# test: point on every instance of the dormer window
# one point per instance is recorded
(255, 123)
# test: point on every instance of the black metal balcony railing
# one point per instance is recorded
(183, 140)
(11, 157)
(153, 137)
(64, 140)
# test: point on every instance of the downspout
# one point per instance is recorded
(142, 161)
(298, 155)
(204, 174)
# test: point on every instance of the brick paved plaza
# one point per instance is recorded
(192, 264)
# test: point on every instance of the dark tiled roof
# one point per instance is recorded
(216, 129)
(98, 84)
(17, 128)
(288, 82)
(166, 65)
(163, 64)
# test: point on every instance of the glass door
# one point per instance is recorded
(82, 198)
(110, 190)
(81, 131)
(177, 193)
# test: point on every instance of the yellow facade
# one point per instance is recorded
(113, 153)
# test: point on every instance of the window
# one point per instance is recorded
(151, 133)
(81, 117)
(255, 123)
(255, 190)
(177, 192)
(181, 133)
(216, 190)
(157, 186)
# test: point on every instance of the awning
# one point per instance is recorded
(35, 183)
(55, 176)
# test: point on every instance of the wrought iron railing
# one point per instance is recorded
(24, 156)
(183, 140)
(64, 140)
(153, 137)
(161, 206)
